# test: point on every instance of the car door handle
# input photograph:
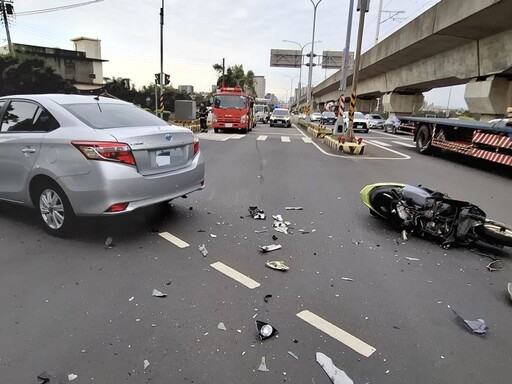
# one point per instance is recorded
(28, 150)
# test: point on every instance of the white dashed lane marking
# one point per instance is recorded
(238, 136)
(337, 333)
(262, 138)
(307, 139)
(174, 240)
(404, 144)
(285, 139)
(378, 143)
(235, 275)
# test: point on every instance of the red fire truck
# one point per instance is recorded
(232, 109)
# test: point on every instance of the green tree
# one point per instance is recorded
(236, 77)
(28, 75)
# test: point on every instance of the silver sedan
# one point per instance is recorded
(71, 155)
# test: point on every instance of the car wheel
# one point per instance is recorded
(55, 212)
(393, 130)
(367, 131)
(271, 125)
(216, 130)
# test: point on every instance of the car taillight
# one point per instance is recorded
(120, 207)
(196, 144)
(243, 119)
(106, 150)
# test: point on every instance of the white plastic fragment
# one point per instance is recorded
(293, 355)
(279, 265)
(72, 376)
(412, 258)
(336, 375)
(347, 279)
(293, 208)
(221, 326)
(213, 235)
(277, 217)
(157, 293)
(203, 250)
(146, 364)
(131, 298)
(270, 248)
(509, 289)
(263, 365)
(404, 235)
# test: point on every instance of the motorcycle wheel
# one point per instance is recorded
(495, 233)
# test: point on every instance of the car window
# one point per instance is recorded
(24, 116)
(107, 115)
(281, 112)
(376, 117)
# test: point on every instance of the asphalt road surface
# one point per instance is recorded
(77, 306)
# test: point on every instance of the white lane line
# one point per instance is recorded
(235, 275)
(213, 137)
(173, 239)
(404, 144)
(307, 139)
(402, 137)
(285, 139)
(237, 136)
(261, 138)
(337, 333)
(379, 143)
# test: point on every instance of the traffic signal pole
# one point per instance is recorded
(161, 100)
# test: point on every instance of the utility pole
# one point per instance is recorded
(161, 103)
(344, 69)
(223, 70)
(6, 22)
(310, 74)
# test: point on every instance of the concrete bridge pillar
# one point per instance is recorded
(489, 97)
(399, 104)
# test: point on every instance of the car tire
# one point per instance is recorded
(216, 130)
(367, 131)
(271, 125)
(393, 130)
(54, 209)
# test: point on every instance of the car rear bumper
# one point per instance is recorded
(111, 183)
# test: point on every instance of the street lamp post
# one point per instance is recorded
(344, 69)
(291, 85)
(355, 75)
(299, 92)
(310, 74)
(161, 103)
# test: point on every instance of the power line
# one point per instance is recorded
(61, 8)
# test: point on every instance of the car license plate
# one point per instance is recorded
(228, 125)
(279, 121)
(166, 157)
(359, 126)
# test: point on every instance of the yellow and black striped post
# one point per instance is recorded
(351, 110)
(161, 105)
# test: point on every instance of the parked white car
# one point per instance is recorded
(359, 123)
(374, 120)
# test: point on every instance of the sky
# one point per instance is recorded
(199, 33)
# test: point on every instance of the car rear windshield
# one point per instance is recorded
(281, 112)
(328, 114)
(376, 117)
(109, 115)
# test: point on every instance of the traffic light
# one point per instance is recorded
(157, 78)
(167, 79)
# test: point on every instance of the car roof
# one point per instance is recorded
(66, 99)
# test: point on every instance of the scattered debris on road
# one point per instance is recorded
(131, 298)
(213, 235)
(412, 258)
(44, 377)
(265, 330)
(293, 355)
(347, 279)
(509, 289)
(72, 376)
(293, 208)
(109, 242)
(257, 213)
(476, 326)
(146, 364)
(270, 248)
(267, 297)
(279, 265)
(263, 365)
(169, 282)
(157, 293)
(274, 237)
(261, 231)
(336, 375)
(203, 250)
(404, 235)
(494, 266)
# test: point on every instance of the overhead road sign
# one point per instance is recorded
(287, 58)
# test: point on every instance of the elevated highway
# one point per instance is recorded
(454, 42)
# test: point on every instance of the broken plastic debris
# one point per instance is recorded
(131, 298)
(281, 228)
(263, 365)
(270, 248)
(476, 326)
(146, 364)
(213, 235)
(269, 296)
(279, 265)
(257, 213)
(221, 326)
(293, 355)
(293, 208)
(509, 289)
(109, 241)
(72, 377)
(277, 217)
(336, 375)
(412, 259)
(203, 250)
(494, 265)
(261, 231)
(347, 279)
(157, 293)
(265, 330)
(404, 235)
(44, 377)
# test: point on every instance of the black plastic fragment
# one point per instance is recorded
(265, 330)
(267, 297)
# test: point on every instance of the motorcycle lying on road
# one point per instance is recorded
(428, 213)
